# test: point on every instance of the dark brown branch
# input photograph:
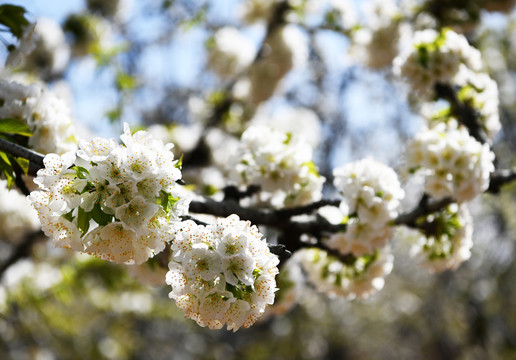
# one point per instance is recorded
(424, 208)
(35, 158)
(500, 178)
(466, 114)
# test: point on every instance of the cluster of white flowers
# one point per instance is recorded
(448, 242)
(288, 48)
(118, 202)
(297, 121)
(222, 274)
(280, 164)
(230, 52)
(17, 217)
(47, 116)
(454, 163)
(51, 53)
(435, 57)
(359, 278)
(371, 199)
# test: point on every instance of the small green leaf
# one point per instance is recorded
(125, 81)
(13, 17)
(83, 220)
(81, 172)
(14, 126)
(24, 164)
(5, 158)
(163, 200)
(288, 139)
(114, 114)
(68, 216)
(6, 169)
(179, 164)
(100, 216)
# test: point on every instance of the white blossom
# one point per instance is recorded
(222, 274)
(435, 57)
(279, 163)
(451, 243)
(453, 162)
(119, 202)
(47, 116)
(371, 195)
(359, 277)
(297, 121)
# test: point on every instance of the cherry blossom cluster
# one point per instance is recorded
(281, 164)
(435, 57)
(118, 202)
(222, 274)
(357, 277)
(447, 241)
(47, 116)
(371, 195)
(453, 162)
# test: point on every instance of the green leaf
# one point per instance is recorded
(125, 81)
(81, 172)
(114, 114)
(68, 216)
(6, 169)
(199, 17)
(100, 216)
(288, 139)
(13, 17)
(179, 164)
(83, 220)
(24, 164)
(5, 158)
(14, 126)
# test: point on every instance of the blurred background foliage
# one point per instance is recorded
(55, 305)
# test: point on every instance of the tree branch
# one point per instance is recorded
(34, 157)
(466, 114)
